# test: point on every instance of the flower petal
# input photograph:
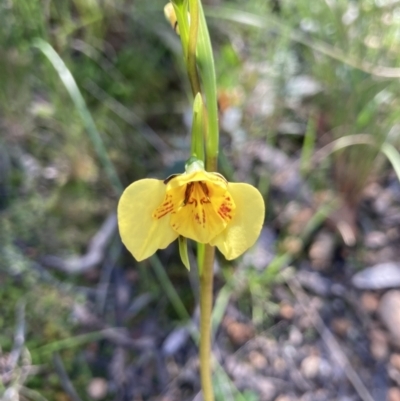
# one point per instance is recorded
(203, 210)
(140, 232)
(244, 229)
(199, 175)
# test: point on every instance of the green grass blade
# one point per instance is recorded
(80, 104)
(169, 289)
(269, 21)
(308, 148)
(67, 343)
(393, 155)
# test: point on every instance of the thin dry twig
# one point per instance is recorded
(329, 339)
(65, 381)
(298, 36)
(341, 143)
(128, 116)
(19, 337)
(94, 255)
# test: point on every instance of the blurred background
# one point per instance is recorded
(93, 95)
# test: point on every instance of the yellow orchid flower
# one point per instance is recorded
(198, 205)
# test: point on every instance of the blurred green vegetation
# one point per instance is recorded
(54, 192)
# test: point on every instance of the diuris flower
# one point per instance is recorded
(198, 205)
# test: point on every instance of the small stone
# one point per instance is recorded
(395, 361)
(307, 396)
(370, 302)
(325, 369)
(375, 239)
(394, 374)
(292, 245)
(314, 282)
(279, 365)
(380, 276)
(97, 388)
(321, 251)
(286, 311)
(295, 336)
(389, 312)
(379, 346)
(284, 398)
(175, 341)
(263, 251)
(341, 326)
(393, 234)
(310, 366)
(258, 360)
(372, 190)
(231, 119)
(239, 333)
(303, 86)
(266, 387)
(383, 202)
(291, 128)
(299, 219)
(393, 394)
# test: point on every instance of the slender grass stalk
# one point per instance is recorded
(67, 343)
(80, 104)
(393, 155)
(269, 21)
(206, 301)
(169, 289)
(30, 394)
(308, 147)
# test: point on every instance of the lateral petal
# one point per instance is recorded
(140, 232)
(245, 226)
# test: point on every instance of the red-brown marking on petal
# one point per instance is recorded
(204, 200)
(166, 207)
(204, 188)
(188, 192)
(225, 209)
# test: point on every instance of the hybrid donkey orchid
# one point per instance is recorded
(198, 205)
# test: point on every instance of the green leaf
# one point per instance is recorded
(183, 252)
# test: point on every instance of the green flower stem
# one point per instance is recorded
(181, 14)
(199, 60)
(205, 60)
(198, 128)
(197, 52)
(188, 33)
(206, 300)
